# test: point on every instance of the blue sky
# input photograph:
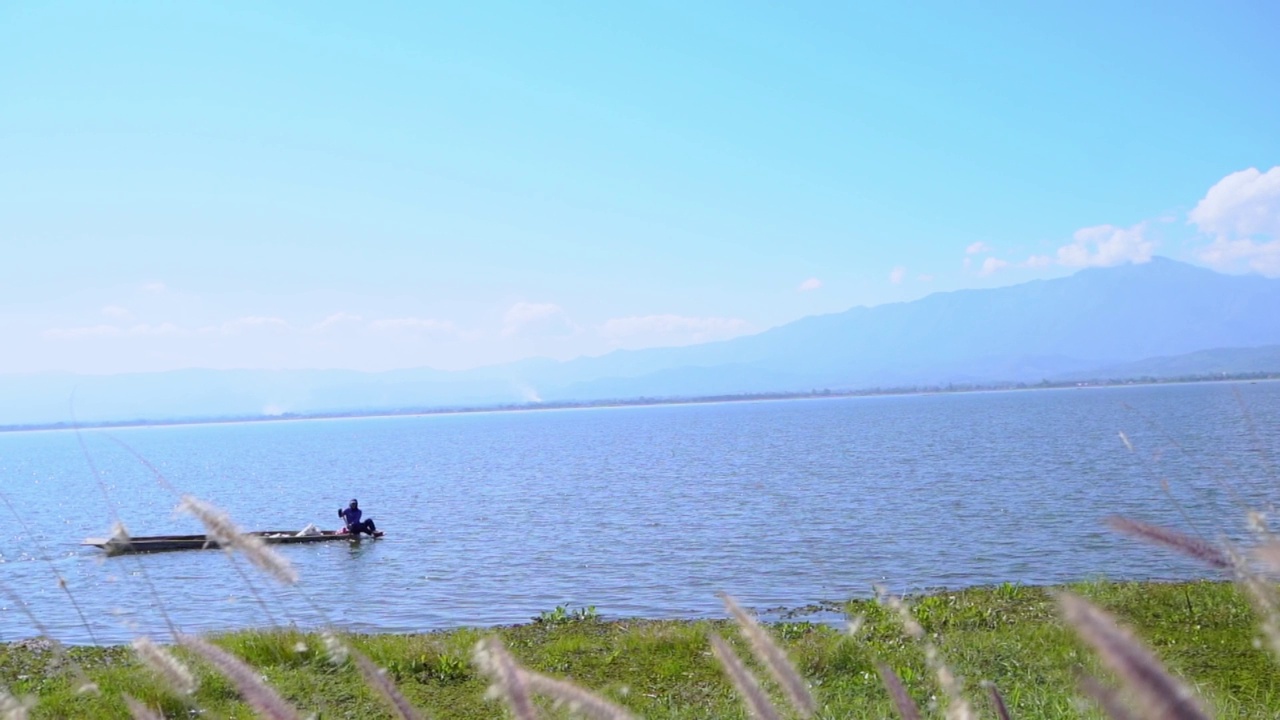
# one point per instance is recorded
(383, 185)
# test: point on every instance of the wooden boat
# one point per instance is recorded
(165, 543)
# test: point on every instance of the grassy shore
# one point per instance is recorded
(1010, 635)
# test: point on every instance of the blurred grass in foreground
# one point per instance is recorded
(1014, 636)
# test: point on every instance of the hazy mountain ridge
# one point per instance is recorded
(1161, 318)
(1095, 318)
(1216, 361)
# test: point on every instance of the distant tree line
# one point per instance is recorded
(664, 400)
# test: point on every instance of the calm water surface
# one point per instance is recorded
(492, 518)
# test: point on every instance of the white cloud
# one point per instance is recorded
(809, 285)
(977, 248)
(537, 317)
(1242, 204)
(1264, 257)
(897, 275)
(154, 286)
(336, 319)
(1242, 213)
(1096, 246)
(525, 312)
(414, 324)
(679, 328)
(115, 311)
(1107, 245)
(992, 265)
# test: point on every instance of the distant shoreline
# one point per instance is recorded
(646, 402)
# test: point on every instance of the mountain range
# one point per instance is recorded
(1157, 319)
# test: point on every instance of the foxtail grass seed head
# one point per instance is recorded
(494, 660)
(1125, 439)
(139, 711)
(1256, 521)
(855, 625)
(228, 535)
(1106, 698)
(1262, 595)
(266, 701)
(516, 683)
(1158, 693)
(119, 540)
(997, 700)
(909, 625)
(1206, 553)
(573, 698)
(1268, 554)
(15, 708)
(957, 707)
(773, 658)
(376, 678)
(334, 647)
(757, 703)
(162, 663)
(902, 702)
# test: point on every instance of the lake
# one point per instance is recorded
(492, 518)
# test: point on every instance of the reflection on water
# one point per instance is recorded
(493, 518)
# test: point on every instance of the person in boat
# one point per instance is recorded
(351, 515)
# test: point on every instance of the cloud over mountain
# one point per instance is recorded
(1242, 214)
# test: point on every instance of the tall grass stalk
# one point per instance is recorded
(139, 711)
(997, 700)
(167, 667)
(15, 708)
(1158, 694)
(376, 678)
(958, 707)
(260, 696)
(1211, 555)
(228, 535)
(753, 696)
(1105, 697)
(774, 659)
(902, 702)
(508, 683)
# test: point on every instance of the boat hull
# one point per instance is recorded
(168, 543)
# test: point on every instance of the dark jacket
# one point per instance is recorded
(351, 516)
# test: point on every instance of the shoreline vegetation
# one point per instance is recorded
(654, 401)
(1017, 638)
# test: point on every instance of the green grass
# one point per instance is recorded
(1010, 635)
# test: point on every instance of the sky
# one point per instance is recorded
(387, 185)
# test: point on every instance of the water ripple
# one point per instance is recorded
(493, 518)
